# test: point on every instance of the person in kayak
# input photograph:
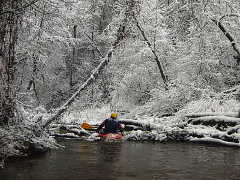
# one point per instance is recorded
(111, 125)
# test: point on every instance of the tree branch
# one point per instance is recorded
(93, 44)
(19, 9)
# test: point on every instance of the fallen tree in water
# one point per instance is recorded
(218, 121)
(196, 115)
(68, 131)
(222, 128)
(219, 128)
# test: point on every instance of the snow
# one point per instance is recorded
(145, 136)
(152, 128)
(93, 137)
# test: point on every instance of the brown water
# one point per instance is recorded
(129, 161)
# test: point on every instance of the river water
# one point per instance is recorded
(82, 160)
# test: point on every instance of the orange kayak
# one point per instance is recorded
(111, 136)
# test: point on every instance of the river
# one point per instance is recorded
(82, 160)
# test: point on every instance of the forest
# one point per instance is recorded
(169, 68)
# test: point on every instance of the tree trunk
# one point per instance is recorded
(164, 77)
(230, 38)
(73, 58)
(9, 22)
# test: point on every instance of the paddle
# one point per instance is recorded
(86, 126)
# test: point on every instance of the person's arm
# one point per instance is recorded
(120, 128)
(101, 126)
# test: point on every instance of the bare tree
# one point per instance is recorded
(11, 12)
(9, 21)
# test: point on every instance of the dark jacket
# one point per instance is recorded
(110, 125)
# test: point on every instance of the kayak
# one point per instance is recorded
(111, 136)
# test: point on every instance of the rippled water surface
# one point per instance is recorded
(128, 160)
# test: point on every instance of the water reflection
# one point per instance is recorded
(129, 160)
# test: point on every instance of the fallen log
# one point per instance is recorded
(146, 136)
(232, 90)
(144, 125)
(215, 134)
(132, 127)
(78, 131)
(233, 129)
(196, 115)
(66, 135)
(215, 120)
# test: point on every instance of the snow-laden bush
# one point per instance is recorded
(168, 102)
(211, 105)
(134, 88)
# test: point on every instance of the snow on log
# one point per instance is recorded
(66, 135)
(145, 125)
(76, 130)
(132, 127)
(196, 115)
(213, 120)
(214, 140)
(145, 136)
(232, 90)
(233, 129)
(201, 132)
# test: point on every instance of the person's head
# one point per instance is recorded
(114, 115)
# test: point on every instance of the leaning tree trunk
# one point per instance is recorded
(164, 77)
(119, 37)
(9, 20)
(234, 43)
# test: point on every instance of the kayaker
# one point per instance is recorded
(111, 125)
